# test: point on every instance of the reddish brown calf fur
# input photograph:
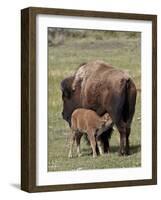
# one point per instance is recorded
(87, 121)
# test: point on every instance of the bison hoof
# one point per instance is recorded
(124, 153)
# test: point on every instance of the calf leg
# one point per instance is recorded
(92, 139)
(72, 140)
(78, 138)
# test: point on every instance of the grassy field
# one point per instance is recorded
(119, 49)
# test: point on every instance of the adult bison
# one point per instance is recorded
(101, 87)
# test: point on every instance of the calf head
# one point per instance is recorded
(106, 122)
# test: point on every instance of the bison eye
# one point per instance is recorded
(66, 94)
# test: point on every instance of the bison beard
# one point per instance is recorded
(102, 88)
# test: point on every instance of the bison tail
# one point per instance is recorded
(130, 101)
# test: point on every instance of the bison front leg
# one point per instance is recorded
(100, 147)
(104, 137)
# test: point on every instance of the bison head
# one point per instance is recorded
(71, 99)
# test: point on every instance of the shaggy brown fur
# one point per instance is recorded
(87, 121)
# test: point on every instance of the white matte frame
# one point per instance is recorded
(43, 177)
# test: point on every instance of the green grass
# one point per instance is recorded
(120, 50)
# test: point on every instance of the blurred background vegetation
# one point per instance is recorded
(67, 49)
(58, 36)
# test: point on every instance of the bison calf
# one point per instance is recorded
(87, 121)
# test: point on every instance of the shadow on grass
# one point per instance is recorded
(133, 149)
(114, 149)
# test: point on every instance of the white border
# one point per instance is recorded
(43, 177)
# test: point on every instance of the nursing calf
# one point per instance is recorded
(87, 121)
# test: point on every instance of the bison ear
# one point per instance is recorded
(66, 86)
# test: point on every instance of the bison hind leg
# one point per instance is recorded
(124, 131)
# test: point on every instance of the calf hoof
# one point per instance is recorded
(102, 154)
(79, 155)
(94, 155)
(70, 155)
